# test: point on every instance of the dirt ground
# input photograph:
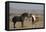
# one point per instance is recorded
(27, 24)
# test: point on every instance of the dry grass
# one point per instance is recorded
(27, 24)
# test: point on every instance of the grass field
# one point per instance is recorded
(27, 24)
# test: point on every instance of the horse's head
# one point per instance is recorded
(24, 16)
(30, 15)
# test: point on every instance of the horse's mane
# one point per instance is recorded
(24, 14)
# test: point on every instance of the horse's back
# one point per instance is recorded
(17, 18)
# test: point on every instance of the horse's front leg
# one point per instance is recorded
(22, 24)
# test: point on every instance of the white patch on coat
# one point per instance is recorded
(34, 17)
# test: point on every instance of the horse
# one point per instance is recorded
(34, 18)
(19, 19)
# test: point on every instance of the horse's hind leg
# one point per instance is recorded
(14, 25)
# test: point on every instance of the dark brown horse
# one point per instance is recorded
(19, 19)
